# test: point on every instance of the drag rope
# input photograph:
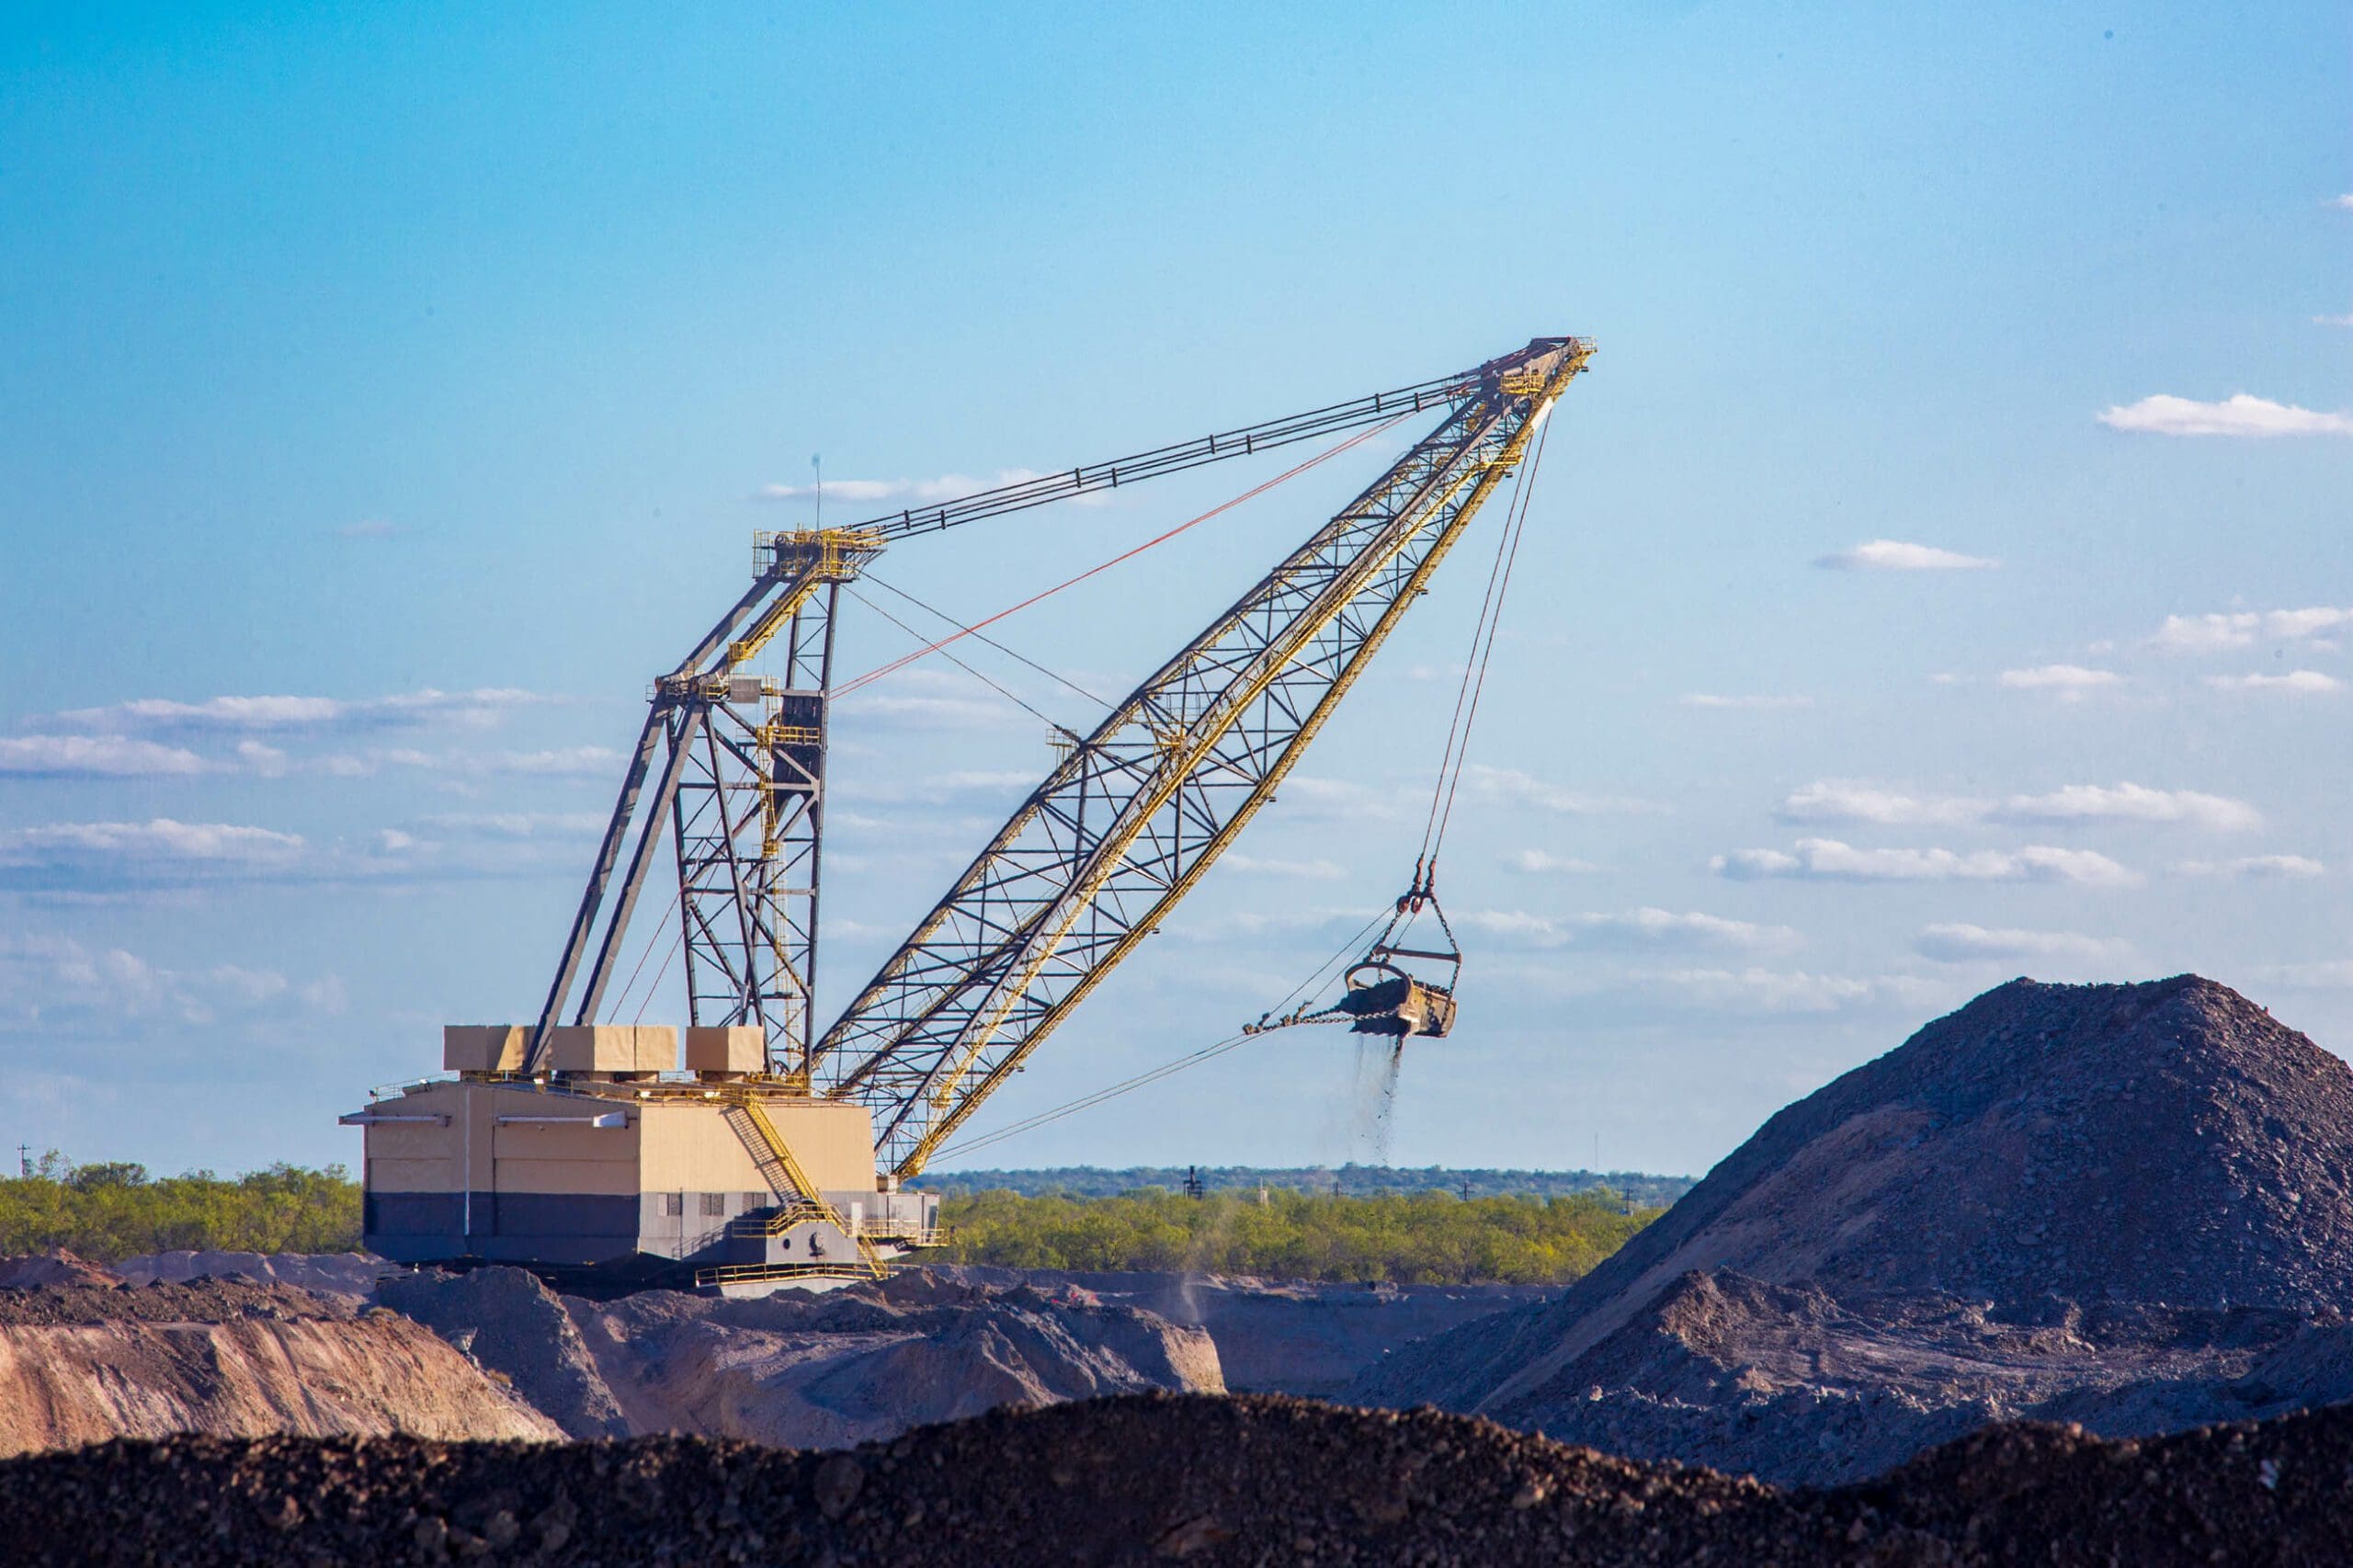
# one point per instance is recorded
(1166, 1069)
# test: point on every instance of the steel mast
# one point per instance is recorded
(740, 785)
(1099, 853)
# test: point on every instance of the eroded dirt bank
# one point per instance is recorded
(1199, 1479)
(87, 1362)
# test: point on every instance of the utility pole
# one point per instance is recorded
(25, 1161)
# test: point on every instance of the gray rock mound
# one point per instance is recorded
(512, 1324)
(2130, 1206)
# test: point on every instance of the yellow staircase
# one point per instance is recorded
(802, 1200)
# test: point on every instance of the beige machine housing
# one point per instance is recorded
(613, 1158)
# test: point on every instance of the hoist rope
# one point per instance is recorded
(621, 1001)
(1166, 1069)
(1008, 653)
(1474, 669)
(1254, 492)
(985, 680)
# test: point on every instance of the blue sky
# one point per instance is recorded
(1942, 575)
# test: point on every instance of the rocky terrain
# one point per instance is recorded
(801, 1370)
(334, 1273)
(85, 1357)
(2130, 1206)
(1201, 1479)
(1276, 1336)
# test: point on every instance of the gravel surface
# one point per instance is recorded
(1203, 1479)
(199, 1301)
(2130, 1206)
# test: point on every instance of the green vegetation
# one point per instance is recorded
(1349, 1181)
(1425, 1238)
(114, 1210)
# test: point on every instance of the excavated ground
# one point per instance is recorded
(1200, 1478)
(97, 1358)
(2129, 1206)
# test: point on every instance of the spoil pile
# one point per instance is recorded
(1205, 1480)
(2127, 1205)
(330, 1273)
(796, 1370)
(1296, 1336)
(86, 1362)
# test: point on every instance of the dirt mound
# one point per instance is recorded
(800, 1369)
(81, 1365)
(507, 1321)
(56, 1267)
(2105, 1202)
(1209, 1481)
(1276, 1336)
(199, 1301)
(332, 1273)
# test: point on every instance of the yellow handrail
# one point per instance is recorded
(808, 1189)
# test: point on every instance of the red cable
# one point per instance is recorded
(903, 661)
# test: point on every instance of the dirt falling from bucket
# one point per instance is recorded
(1375, 1096)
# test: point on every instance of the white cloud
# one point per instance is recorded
(2239, 415)
(159, 839)
(1307, 798)
(48, 984)
(2330, 975)
(517, 825)
(1827, 860)
(1851, 801)
(2345, 319)
(1311, 871)
(2263, 865)
(2295, 683)
(478, 709)
(2132, 803)
(561, 762)
(2068, 682)
(1543, 863)
(1894, 555)
(908, 492)
(1976, 943)
(1510, 786)
(2345, 202)
(2214, 633)
(1750, 991)
(1707, 699)
(1846, 799)
(1641, 928)
(111, 757)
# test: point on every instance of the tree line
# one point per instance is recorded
(1419, 1238)
(115, 1210)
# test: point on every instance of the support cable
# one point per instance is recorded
(1008, 653)
(985, 680)
(1314, 982)
(1474, 671)
(1254, 492)
(622, 1000)
(1478, 687)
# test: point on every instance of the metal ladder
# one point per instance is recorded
(802, 1200)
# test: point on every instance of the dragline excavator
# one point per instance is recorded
(772, 1154)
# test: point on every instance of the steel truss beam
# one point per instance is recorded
(1126, 824)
